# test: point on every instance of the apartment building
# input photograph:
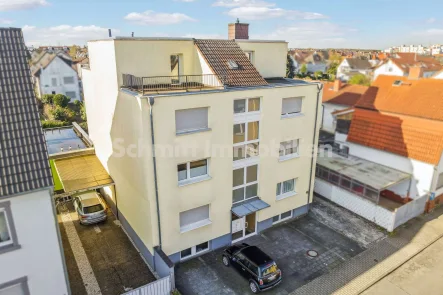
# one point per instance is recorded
(31, 254)
(233, 138)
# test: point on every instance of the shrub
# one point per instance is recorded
(62, 114)
(84, 126)
(54, 124)
(360, 79)
(48, 98)
(77, 103)
(83, 111)
(61, 100)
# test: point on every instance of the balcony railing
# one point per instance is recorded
(151, 84)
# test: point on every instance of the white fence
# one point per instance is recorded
(160, 287)
(410, 210)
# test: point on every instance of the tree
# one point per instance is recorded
(360, 79)
(58, 114)
(318, 74)
(73, 51)
(48, 98)
(83, 111)
(61, 100)
(335, 58)
(304, 69)
(332, 70)
(290, 67)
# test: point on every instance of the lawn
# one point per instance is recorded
(57, 183)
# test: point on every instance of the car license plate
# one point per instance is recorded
(272, 277)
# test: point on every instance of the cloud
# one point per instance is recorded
(257, 13)
(4, 21)
(310, 34)
(431, 20)
(64, 34)
(7, 5)
(242, 3)
(157, 18)
(429, 32)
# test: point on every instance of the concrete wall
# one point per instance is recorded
(437, 171)
(58, 69)
(269, 57)
(39, 256)
(328, 118)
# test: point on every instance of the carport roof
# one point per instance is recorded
(372, 174)
(81, 173)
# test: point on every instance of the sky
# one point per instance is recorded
(375, 24)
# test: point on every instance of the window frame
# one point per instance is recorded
(282, 219)
(14, 244)
(69, 77)
(247, 106)
(290, 115)
(246, 143)
(197, 224)
(194, 179)
(194, 251)
(245, 184)
(281, 195)
(292, 155)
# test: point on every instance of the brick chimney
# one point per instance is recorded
(238, 30)
(415, 72)
(337, 85)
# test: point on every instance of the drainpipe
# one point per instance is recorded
(151, 101)
(319, 88)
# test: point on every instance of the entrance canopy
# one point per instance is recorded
(81, 173)
(249, 206)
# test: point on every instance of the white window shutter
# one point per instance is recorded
(191, 119)
(194, 215)
(291, 105)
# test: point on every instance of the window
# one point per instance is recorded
(324, 173)
(334, 178)
(176, 67)
(357, 187)
(288, 148)
(194, 218)
(187, 253)
(8, 237)
(440, 181)
(371, 193)
(190, 170)
(16, 287)
(191, 120)
(291, 106)
(232, 64)
(245, 183)
(250, 55)
(70, 94)
(246, 105)
(54, 81)
(68, 80)
(345, 182)
(282, 217)
(285, 189)
(245, 138)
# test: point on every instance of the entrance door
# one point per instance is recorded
(243, 227)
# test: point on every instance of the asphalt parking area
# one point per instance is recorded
(100, 258)
(287, 243)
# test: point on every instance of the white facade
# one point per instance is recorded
(389, 69)
(59, 77)
(413, 48)
(37, 259)
(344, 71)
(329, 121)
(439, 75)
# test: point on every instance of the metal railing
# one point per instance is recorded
(170, 83)
(160, 287)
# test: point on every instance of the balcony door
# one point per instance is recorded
(176, 68)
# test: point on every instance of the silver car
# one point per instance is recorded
(90, 208)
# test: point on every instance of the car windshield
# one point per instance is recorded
(92, 209)
(268, 269)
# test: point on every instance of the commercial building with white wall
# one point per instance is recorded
(31, 254)
(233, 149)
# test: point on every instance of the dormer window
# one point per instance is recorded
(397, 83)
(232, 65)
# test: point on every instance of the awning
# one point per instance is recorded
(249, 206)
(82, 173)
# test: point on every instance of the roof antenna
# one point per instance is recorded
(238, 20)
(132, 35)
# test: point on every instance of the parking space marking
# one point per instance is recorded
(86, 272)
(97, 229)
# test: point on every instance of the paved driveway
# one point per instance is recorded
(287, 244)
(100, 258)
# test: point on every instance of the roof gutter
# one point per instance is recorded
(319, 89)
(151, 101)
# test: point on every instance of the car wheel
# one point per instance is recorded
(225, 260)
(253, 286)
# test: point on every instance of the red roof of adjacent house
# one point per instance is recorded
(347, 95)
(406, 60)
(419, 98)
(410, 137)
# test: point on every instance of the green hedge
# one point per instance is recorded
(54, 124)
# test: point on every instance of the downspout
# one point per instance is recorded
(151, 101)
(319, 88)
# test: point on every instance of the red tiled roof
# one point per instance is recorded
(347, 95)
(419, 98)
(217, 53)
(410, 137)
(407, 60)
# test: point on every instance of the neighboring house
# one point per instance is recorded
(353, 66)
(31, 253)
(338, 97)
(400, 63)
(220, 124)
(80, 63)
(395, 144)
(314, 60)
(55, 73)
(438, 75)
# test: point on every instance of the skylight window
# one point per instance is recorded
(232, 65)
(397, 83)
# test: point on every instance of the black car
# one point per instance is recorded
(255, 265)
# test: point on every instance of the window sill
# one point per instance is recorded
(286, 195)
(288, 157)
(179, 133)
(288, 116)
(9, 248)
(196, 225)
(194, 180)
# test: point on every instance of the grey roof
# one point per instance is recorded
(24, 162)
(358, 64)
